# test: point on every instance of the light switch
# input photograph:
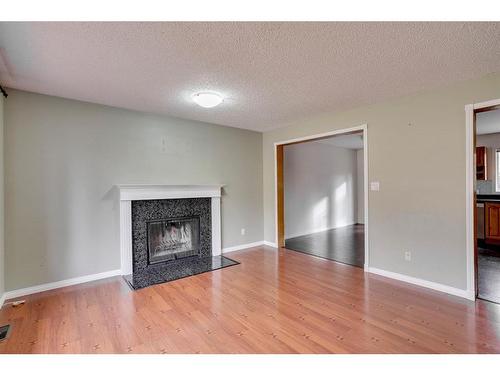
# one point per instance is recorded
(374, 186)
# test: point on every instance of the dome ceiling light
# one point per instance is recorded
(207, 99)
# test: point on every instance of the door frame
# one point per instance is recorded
(470, 191)
(279, 183)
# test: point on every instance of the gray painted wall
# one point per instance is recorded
(421, 168)
(320, 187)
(2, 219)
(62, 157)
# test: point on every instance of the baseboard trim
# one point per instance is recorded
(424, 283)
(98, 276)
(270, 244)
(241, 247)
(59, 284)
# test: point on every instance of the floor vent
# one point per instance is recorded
(4, 331)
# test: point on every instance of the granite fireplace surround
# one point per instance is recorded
(142, 212)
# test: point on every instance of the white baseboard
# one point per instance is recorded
(241, 247)
(59, 284)
(85, 279)
(300, 234)
(424, 283)
(271, 244)
(247, 246)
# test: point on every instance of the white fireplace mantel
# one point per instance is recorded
(129, 193)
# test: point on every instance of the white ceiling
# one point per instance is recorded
(351, 141)
(270, 73)
(488, 122)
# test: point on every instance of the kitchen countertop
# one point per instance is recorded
(488, 198)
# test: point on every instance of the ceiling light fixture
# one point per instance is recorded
(207, 99)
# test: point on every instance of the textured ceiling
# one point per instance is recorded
(270, 73)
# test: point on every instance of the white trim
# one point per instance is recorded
(270, 244)
(60, 284)
(241, 247)
(322, 135)
(143, 192)
(364, 129)
(126, 237)
(2, 300)
(469, 195)
(276, 241)
(366, 182)
(423, 283)
(489, 103)
(497, 165)
(470, 185)
(216, 227)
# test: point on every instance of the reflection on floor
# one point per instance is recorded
(345, 245)
(489, 274)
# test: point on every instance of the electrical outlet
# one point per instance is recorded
(408, 256)
(243, 231)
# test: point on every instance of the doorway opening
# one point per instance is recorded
(486, 200)
(321, 195)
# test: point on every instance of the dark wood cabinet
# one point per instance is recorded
(481, 163)
(492, 222)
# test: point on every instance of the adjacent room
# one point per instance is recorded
(488, 204)
(324, 198)
(249, 187)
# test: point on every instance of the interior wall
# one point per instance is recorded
(320, 187)
(360, 186)
(492, 142)
(2, 218)
(416, 150)
(63, 157)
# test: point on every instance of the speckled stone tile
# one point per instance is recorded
(144, 211)
(178, 269)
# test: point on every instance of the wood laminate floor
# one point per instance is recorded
(345, 244)
(273, 302)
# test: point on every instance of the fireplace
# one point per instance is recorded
(168, 232)
(172, 239)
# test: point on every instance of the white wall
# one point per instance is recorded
(63, 157)
(421, 204)
(360, 186)
(320, 187)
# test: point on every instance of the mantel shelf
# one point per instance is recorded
(144, 192)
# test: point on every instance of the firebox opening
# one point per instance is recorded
(174, 238)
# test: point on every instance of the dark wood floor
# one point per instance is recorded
(273, 302)
(345, 244)
(489, 274)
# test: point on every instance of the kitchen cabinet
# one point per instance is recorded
(492, 222)
(481, 163)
